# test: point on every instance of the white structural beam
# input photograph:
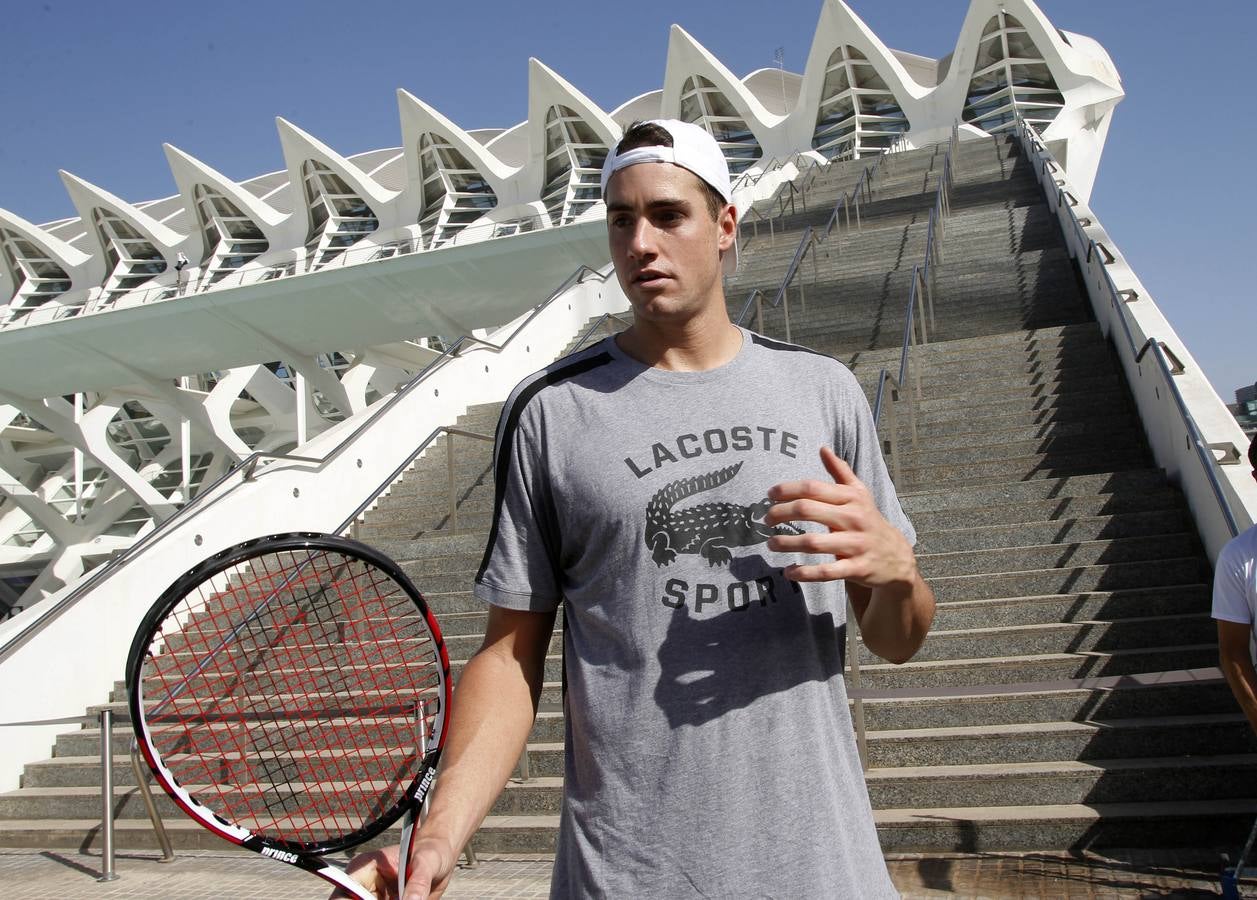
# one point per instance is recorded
(415, 295)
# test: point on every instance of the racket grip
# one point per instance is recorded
(405, 846)
(414, 811)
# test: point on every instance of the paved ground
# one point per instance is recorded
(66, 875)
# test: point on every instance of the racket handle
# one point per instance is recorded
(404, 848)
(414, 813)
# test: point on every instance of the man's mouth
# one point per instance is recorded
(649, 278)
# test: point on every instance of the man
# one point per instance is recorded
(676, 488)
(1235, 607)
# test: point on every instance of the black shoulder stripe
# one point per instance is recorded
(506, 436)
(770, 344)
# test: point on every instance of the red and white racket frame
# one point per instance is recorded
(305, 856)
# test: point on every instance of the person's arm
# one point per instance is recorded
(495, 703)
(892, 603)
(1236, 662)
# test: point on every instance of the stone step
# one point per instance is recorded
(1058, 531)
(975, 829)
(1181, 693)
(1149, 573)
(1002, 560)
(1011, 493)
(994, 671)
(1039, 465)
(1148, 737)
(1007, 430)
(1060, 782)
(1099, 439)
(1077, 635)
(1040, 609)
(1064, 510)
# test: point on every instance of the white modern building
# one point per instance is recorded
(146, 349)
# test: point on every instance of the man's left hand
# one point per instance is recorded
(866, 548)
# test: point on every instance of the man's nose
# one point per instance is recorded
(642, 242)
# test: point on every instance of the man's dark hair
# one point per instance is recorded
(648, 134)
(1252, 453)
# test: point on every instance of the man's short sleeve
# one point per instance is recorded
(1230, 601)
(858, 443)
(518, 570)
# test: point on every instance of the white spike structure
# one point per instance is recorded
(311, 292)
(38, 268)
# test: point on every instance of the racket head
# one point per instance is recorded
(277, 691)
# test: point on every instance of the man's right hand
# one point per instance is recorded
(432, 864)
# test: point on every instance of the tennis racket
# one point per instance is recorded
(291, 694)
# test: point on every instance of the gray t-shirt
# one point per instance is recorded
(710, 752)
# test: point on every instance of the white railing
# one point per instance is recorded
(1192, 434)
(73, 644)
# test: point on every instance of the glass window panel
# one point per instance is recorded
(691, 109)
(590, 157)
(1021, 47)
(45, 268)
(720, 105)
(835, 75)
(1028, 95)
(1033, 75)
(989, 53)
(867, 77)
(991, 27)
(730, 131)
(350, 206)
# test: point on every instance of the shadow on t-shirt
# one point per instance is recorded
(715, 662)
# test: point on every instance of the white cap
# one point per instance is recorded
(692, 148)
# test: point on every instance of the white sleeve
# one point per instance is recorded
(1230, 604)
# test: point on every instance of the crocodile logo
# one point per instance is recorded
(708, 529)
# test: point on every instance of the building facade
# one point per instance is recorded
(145, 349)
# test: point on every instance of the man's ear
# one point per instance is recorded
(727, 222)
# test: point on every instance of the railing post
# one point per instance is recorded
(919, 278)
(853, 657)
(449, 468)
(915, 373)
(759, 313)
(896, 469)
(785, 308)
(107, 872)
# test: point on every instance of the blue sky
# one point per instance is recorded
(95, 88)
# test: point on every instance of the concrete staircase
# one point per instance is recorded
(1066, 697)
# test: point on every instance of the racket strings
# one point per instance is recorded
(289, 696)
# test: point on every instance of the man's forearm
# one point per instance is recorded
(494, 707)
(1242, 678)
(897, 618)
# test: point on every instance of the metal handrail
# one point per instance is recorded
(248, 466)
(1033, 145)
(757, 297)
(1194, 435)
(758, 217)
(807, 242)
